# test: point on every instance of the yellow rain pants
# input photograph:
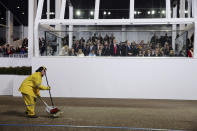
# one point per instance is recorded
(30, 103)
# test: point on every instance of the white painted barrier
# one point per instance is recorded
(17, 82)
(6, 85)
(10, 84)
(94, 77)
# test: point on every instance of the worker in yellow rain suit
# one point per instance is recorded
(30, 89)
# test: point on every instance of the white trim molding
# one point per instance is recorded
(116, 21)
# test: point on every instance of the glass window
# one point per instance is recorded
(44, 10)
(52, 10)
(181, 9)
(121, 41)
(14, 45)
(83, 9)
(2, 37)
(150, 9)
(114, 9)
(2, 15)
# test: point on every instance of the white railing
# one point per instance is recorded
(15, 55)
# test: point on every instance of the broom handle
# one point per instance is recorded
(49, 90)
(43, 101)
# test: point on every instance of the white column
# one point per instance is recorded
(189, 8)
(96, 12)
(182, 13)
(48, 9)
(193, 8)
(168, 12)
(31, 16)
(62, 10)
(35, 8)
(195, 28)
(182, 8)
(132, 9)
(57, 12)
(70, 27)
(35, 12)
(174, 33)
(57, 8)
(58, 27)
(9, 24)
(38, 17)
(62, 14)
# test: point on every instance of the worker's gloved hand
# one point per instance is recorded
(38, 96)
(48, 88)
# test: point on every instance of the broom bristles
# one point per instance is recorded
(54, 110)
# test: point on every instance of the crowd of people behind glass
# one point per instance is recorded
(108, 46)
(105, 46)
(7, 50)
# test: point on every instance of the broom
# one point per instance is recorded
(51, 109)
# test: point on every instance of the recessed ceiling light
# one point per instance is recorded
(18, 7)
(153, 12)
(91, 13)
(22, 13)
(2, 18)
(163, 12)
(78, 13)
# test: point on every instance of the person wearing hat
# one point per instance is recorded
(30, 90)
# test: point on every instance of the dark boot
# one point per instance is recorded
(32, 116)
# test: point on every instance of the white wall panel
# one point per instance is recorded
(154, 78)
(6, 84)
(93, 77)
(17, 80)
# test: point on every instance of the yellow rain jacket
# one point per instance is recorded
(32, 85)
